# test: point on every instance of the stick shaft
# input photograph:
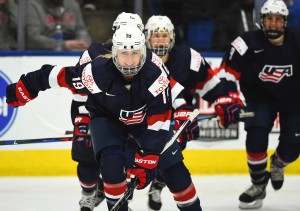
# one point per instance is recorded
(169, 143)
(194, 115)
(135, 183)
(32, 141)
(184, 125)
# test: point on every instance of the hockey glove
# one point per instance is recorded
(17, 94)
(144, 169)
(81, 128)
(228, 110)
(192, 131)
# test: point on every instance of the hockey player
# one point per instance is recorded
(127, 93)
(82, 149)
(191, 70)
(267, 66)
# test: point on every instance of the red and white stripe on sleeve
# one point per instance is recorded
(160, 121)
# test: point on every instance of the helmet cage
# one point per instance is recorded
(129, 70)
(128, 38)
(160, 49)
(275, 7)
(159, 24)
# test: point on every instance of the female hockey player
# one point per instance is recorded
(88, 170)
(82, 150)
(267, 66)
(127, 94)
(190, 69)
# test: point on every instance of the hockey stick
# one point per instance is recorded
(62, 139)
(194, 115)
(37, 141)
(61, 131)
(135, 183)
(242, 115)
(52, 127)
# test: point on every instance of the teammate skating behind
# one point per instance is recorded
(191, 70)
(267, 66)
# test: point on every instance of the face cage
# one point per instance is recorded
(129, 70)
(272, 34)
(161, 50)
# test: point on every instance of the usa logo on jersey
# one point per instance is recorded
(132, 117)
(275, 73)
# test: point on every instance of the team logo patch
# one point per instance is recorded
(240, 45)
(275, 73)
(156, 60)
(133, 117)
(159, 85)
(7, 114)
(88, 80)
(85, 58)
(195, 60)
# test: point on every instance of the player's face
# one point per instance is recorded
(128, 58)
(160, 38)
(274, 22)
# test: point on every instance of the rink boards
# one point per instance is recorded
(40, 162)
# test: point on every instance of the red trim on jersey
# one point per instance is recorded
(151, 120)
(173, 82)
(185, 195)
(115, 189)
(201, 84)
(231, 71)
(256, 156)
(62, 82)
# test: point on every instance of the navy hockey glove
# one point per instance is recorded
(17, 94)
(81, 128)
(144, 169)
(192, 131)
(228, 110)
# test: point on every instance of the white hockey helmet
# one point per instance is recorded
(125, 18)
(157, 23)
(128, 37)
(275, 7)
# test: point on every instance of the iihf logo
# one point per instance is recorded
(7, 114)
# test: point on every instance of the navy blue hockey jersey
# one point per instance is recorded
(186, 66)
(99, 49)
(191, 70)
(265, 71)
(143, 106)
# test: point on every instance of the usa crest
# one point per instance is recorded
(275, 73)
(133, 117)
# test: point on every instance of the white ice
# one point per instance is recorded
(216, 192)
